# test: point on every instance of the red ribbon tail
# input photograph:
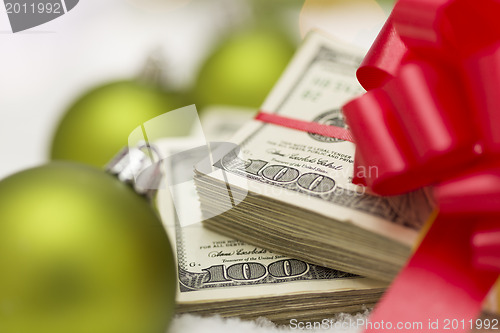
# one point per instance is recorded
(439, 288)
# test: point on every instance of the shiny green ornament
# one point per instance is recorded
(99, 123)
(243, 68)
(81, 252)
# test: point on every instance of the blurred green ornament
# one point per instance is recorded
(81, 252)
(387, 2)
(243, 68)
(98, 124)
(386, 5)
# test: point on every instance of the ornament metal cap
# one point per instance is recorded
(140, 167)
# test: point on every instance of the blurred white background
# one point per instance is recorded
(44, 69)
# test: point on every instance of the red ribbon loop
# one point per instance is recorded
(421, 24)
(380, 143)
(486, 247)
(383, 59)
(482, 73)
(476, 194)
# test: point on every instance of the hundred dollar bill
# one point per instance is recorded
(220, 122)
(221, 275)
(295, 191)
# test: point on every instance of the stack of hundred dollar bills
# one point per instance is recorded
(291, 191)
(221, 275)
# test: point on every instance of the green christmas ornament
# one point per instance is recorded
(98, 124)
(387, 5)
(243, 68)
(81, 252)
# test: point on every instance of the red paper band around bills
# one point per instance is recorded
(430, 118)
(305, 126)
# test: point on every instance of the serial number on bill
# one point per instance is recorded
(39, 8)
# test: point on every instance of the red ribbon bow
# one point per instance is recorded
(430, 117)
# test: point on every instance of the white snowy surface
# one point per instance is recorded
(189, 323)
